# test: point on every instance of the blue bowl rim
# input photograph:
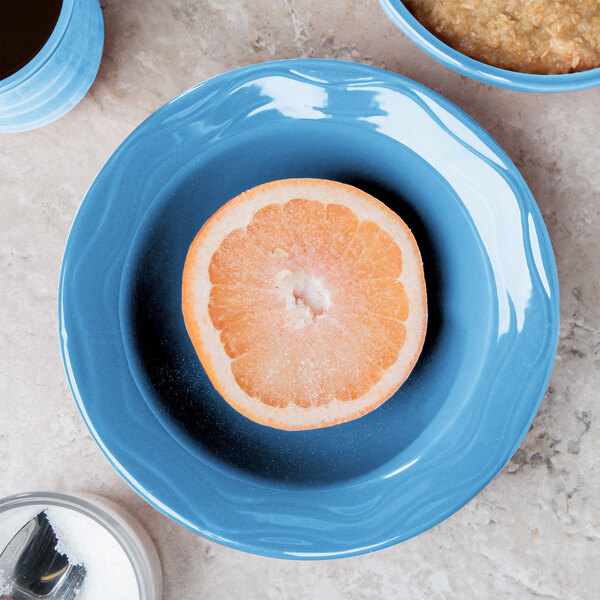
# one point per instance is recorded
(460, 63)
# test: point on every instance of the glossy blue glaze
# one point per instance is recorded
(526, 82)
(60, 74)
(360, 486)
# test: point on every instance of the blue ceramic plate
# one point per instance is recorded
(356, 487)
(526, 82)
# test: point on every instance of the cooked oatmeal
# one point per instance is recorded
(532, 36)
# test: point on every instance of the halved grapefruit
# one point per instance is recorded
(305, 301)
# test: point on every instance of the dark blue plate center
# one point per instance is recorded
(162, 358)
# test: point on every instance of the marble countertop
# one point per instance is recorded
(534, 532)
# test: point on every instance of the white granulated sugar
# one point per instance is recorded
(109, 571)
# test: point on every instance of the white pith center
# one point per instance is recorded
(304, 294)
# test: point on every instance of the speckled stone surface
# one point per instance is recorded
(534, 532)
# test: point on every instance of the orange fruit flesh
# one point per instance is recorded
(300, 305)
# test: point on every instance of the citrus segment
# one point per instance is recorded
(305, 301)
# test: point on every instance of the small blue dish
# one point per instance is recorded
(512, 80)
(355, 487)
(60, 74)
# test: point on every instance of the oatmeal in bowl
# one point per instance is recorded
(533, 45)
(530, 36)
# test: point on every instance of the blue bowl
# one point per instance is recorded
(60, 74)
(355, 487)
(512, 80)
